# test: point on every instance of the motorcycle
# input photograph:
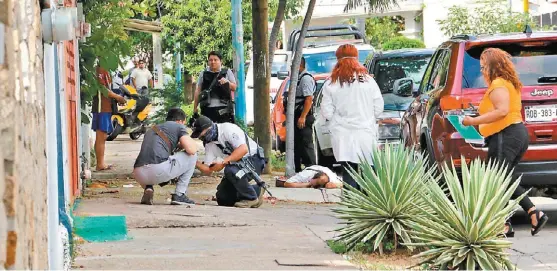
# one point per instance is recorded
(132, 117)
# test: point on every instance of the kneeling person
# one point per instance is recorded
(157, 163)
(312, 177)
(226, 144)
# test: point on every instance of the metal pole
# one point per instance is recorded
(526, 6)
(178, 76)
(237, 42)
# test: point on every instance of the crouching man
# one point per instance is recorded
(157, 163)
(225, 145)
(311, 177)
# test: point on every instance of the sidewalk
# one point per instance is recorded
(288, 235)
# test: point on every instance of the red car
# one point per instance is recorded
(278, 112)
(453, 82)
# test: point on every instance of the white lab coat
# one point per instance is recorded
(350, 112)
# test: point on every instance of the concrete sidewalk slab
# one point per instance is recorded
(306, 194)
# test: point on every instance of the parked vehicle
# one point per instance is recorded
(278, 112)
(396, 73)
(453, 83)
(131, 118)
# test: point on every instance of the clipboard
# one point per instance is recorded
(469, 133)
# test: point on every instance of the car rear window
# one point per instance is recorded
(326, 61)
(387, 71)
(532, 60)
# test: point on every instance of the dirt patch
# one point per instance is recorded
(401, 259)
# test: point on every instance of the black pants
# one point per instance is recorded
(346, 177)
(213, 114)
(304, 152)
(232, 189)
(508, 146)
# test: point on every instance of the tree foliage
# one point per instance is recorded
(202, 26)
(292, 9)
(402, 42)
(379, 30)
(491, 17)
(109, 41)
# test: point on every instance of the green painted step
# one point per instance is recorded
(101, 228)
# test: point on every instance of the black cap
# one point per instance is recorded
(200, 124)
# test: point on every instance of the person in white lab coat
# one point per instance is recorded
(351, 103)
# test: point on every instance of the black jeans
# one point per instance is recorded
(346, 177)
(214, 114)
(508, 147)
(232, 189)
(304, 152)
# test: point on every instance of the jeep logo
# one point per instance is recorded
(542, 92)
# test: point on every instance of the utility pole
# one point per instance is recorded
(526, 5)
(261, 78)
(178, 57)
(238, 43)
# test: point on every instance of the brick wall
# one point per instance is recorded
(23, 212)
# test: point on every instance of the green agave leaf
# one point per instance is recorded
(379, 237)
(374, 231)
(470, 263)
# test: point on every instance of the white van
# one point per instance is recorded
(281, 62)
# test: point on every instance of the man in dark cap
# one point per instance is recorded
(226, 144)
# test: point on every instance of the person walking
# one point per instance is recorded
(500, 122)
(304, 152)
(213, 94)
(350, 105)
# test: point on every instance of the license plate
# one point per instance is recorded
(541, 113)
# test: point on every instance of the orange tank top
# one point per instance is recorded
(515, 108)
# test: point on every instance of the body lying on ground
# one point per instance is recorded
(312, 177)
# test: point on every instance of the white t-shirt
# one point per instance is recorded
(307, 174)
(142, 77)
(228, 132)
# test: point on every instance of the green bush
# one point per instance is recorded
(465, 229)
(389, 199)
(170, 96)
(402, 42)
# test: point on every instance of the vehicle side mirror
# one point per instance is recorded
(403, 87)
(282, 75)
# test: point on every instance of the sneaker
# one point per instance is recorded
(181, 199)
(147, 198)
(247, 203)
(260, 199)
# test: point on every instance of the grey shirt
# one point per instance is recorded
(305, 87)
(215, 102)
(154, 149)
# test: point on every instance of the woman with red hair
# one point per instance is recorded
(351, 103)
(500, 121)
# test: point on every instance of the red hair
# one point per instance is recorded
(499, 65)
(347, 65)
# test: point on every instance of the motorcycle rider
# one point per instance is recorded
(214, 91)
(225, 144)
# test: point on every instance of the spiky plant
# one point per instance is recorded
(389, 198)
(465, 229)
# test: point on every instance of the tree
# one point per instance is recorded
(380, 30)
(262, 77)
(490, 18)
(297, 59)
(402, 42)
(109, 42)
(202, 26)
(284, 10)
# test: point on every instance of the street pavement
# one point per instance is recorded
(288, 235)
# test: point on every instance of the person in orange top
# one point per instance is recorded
(500, 121)
(102, 114)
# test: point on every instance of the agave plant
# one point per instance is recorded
(465, 229)
(389, 198)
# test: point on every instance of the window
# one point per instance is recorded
(440, 71)
(531, 63)
(279, 64)
(427, 75)
(326, 61)
(387, 71)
